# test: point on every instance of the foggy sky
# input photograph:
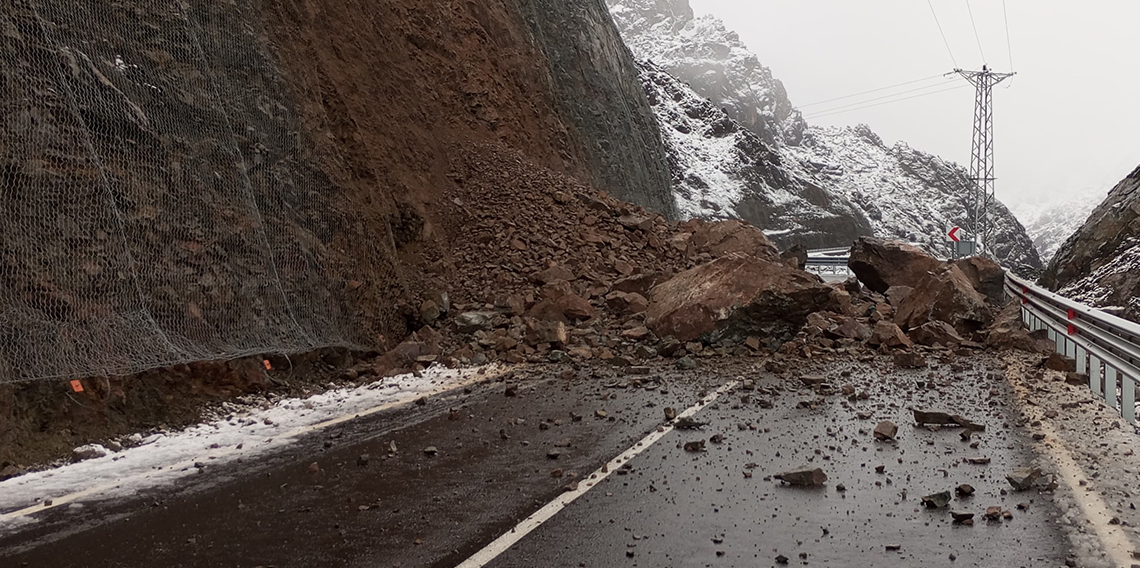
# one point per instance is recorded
(1067, 123)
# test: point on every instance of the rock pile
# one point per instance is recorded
(545, 269)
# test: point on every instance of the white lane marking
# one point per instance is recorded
(507, 540)
(216, 453)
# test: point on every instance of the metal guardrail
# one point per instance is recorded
(1106, 348)
(831, 261)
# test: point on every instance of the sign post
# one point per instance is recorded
(961, 248)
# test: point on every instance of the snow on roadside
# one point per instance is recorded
(162, 459)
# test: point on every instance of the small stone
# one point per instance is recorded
(886, 430)
(993, 513)
(600, 413)
(695, 446)
(781, 559)
(670, 413)
(688, 423)
(511, 391)
(965, 490)
(686, 363)
(804, 477)
(431, 451)
(362, 460)
(961, 516)
(553, 454)
(1022, 479)
(314, 468)
(936, 500)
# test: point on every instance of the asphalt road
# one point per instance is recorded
(500, 458)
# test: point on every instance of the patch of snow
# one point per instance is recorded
(162, 459)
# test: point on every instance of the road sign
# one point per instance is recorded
(954, 234)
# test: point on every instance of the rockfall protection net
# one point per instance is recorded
(157, 202)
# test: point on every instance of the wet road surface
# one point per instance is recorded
(499, 458)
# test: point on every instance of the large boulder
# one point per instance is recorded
(736, 297)
(945, 295)
(722, 238)
(880, 264)
(987, 277)
(933, 333)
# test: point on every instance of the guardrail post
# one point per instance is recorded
(1128, 398)
(1082, 361)
(1111, 377)
(1094, 376)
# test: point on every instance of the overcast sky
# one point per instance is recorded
(1069, 121)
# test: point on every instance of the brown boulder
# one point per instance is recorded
(552, 274)
(987, 277)
(722, 238)
(574, 307)
(889, 334)
(638, 283)
(795, 257)
(627, 303)
(1007, 332)
(1058, 362)
(736, 297)
(945, 295)
(880, 264)
(934, 333)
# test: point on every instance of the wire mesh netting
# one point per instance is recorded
(158, 203)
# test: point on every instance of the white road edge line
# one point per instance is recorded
(511, 537)
(227, 450)
(1114, 542)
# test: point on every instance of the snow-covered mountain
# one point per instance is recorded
(1050, 223)
(790, 176)
(1099, 265)
(722, 170)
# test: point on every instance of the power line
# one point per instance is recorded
(976, 36)
(1008, 45)
(939, 24)
(887, 102)
(827, 110)
(872, 91)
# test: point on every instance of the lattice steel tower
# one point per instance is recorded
(982, 157)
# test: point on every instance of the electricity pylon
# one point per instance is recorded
(982, 157)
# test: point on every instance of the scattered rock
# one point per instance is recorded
(431, 451)
(924, 417)
(470, 322)
(936, 500)
(695, 446)
(886, 430)
(888, 334)
(964, 490)
(909, 360)
(670, 413)
(89, 452)
(935, 333)
(961, 516)
(1023, 478)
(804, 477)
(1059, 362)
(688, 423)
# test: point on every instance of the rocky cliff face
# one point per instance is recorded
(597, 90)
(826, 175)
(1100, 264)
(185, 181)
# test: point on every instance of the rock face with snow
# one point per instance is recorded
(1050, 224)
(1100, 264)
(722, 170)
(794, 181)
